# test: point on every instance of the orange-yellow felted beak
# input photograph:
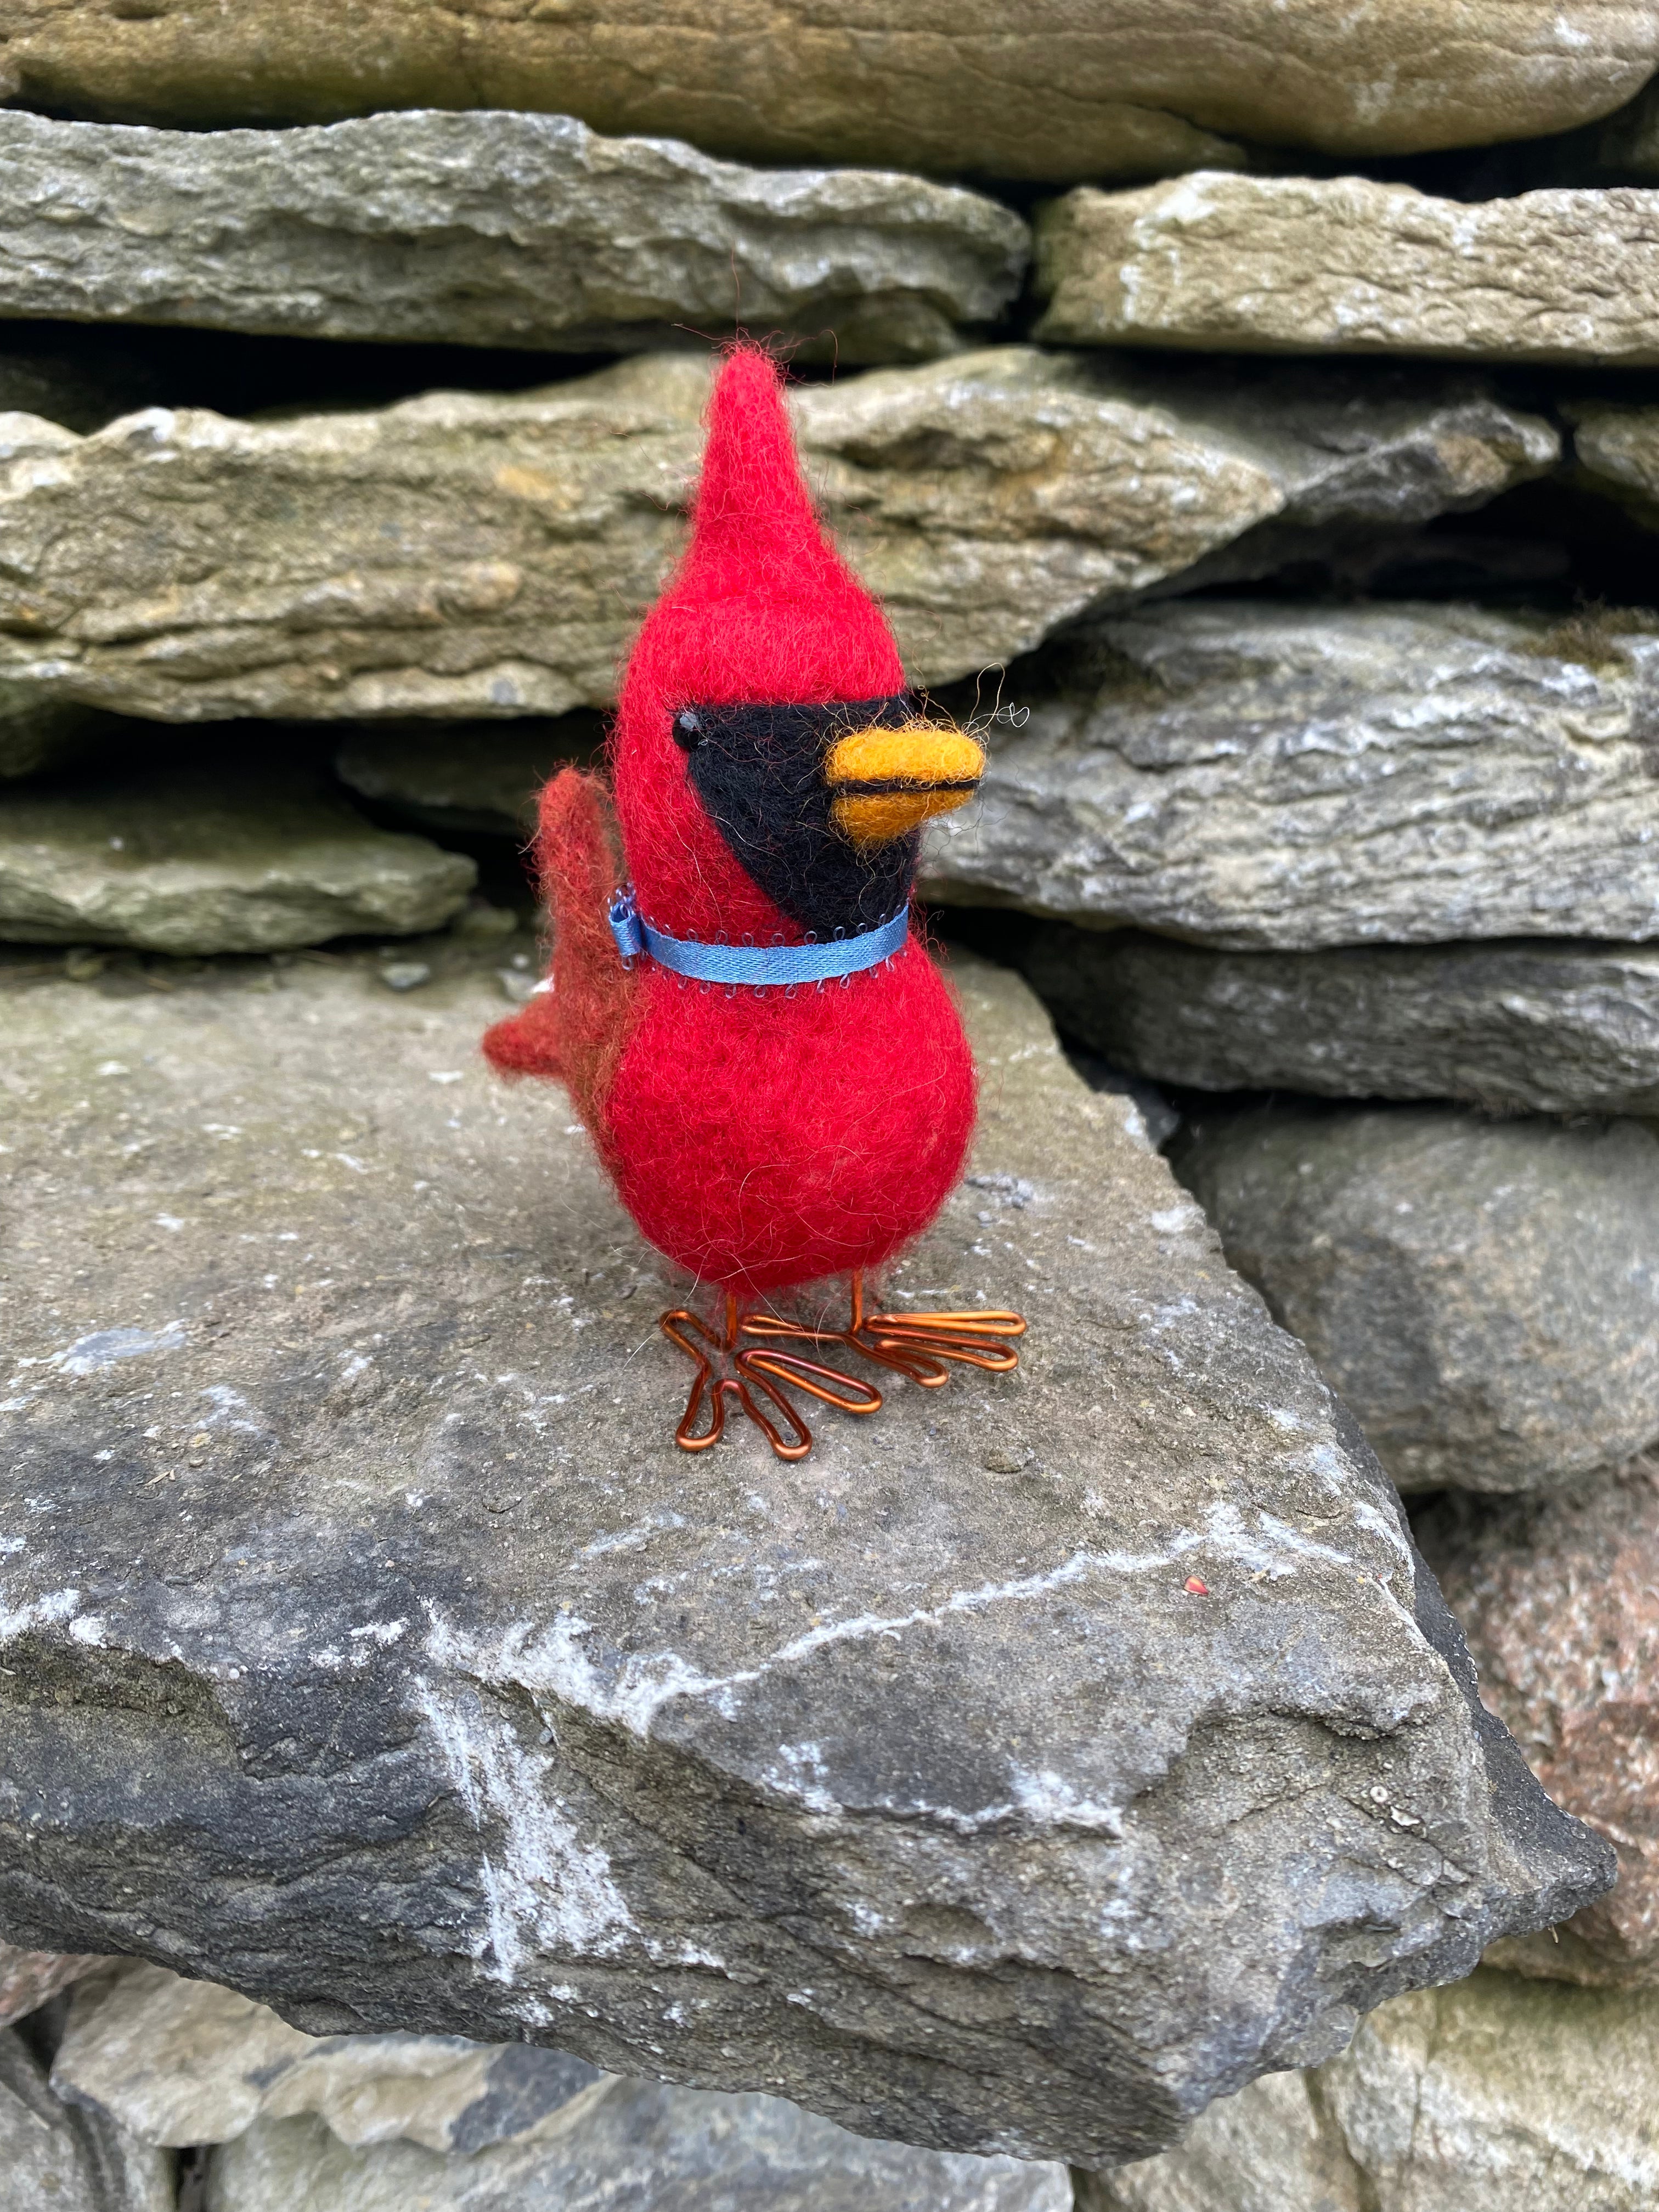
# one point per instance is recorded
(887, 781)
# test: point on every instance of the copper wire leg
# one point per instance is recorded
(703, 1422)
(916, 1345)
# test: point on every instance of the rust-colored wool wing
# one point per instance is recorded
(575, 1032)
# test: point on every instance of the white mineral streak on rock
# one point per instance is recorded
(38, 1613)
(104, 1346)
(231, 1410)
(630, 1540)
(545, 1888)
(383, 1632)
(1056, 1801)
(553, 1661)
(1173, 1220)
(801, 1788)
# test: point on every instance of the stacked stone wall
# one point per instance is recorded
(421, 1785)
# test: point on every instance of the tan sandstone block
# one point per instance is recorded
(1343, 265)
(1057, 88)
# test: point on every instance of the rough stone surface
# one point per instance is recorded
(1054, 92)
(478, 777)
(1516, 1027)
(1033, 1763)
(1254, 773)
(1343, 265)
(470, 555)
(27, 1978)
(1560, 1597)
(1269, 2149)
(53, 2160)
(1366, 454)
(1491, 2095)
(637, 2147)
(1616, 450)
(178, 2062)
(212, 860)
(488, 229)
(1484, 1296)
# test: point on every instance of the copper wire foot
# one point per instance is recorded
(703, 1422)
(916, 1345)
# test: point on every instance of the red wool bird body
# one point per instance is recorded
(770, 772)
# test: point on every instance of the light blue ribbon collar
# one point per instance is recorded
(757, 964)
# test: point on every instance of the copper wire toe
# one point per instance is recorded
(915, 1345)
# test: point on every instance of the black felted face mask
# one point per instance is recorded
(759, 773)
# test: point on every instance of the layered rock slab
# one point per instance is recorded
(640, 2147)
(1516, 2100)
(1034, 1764)
(470, 555)
(1345, 265)
(1615, 450)
(174, 2062)
(1484, 1295)
(1125, 89)
(1516, 1027)
(1558, 1597)
(202, 859)
(1255, 774)
(341, 2123)
(1366, 454)
(488, 229)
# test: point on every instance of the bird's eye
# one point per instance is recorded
(687, 731)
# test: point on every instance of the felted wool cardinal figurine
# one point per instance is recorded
(770, 1065)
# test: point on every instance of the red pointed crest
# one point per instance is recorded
(762, 610)
(753, 524)
(763, 607)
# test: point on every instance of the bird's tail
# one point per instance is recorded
(575, 1025)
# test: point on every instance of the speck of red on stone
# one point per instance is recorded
(1195, 1587)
